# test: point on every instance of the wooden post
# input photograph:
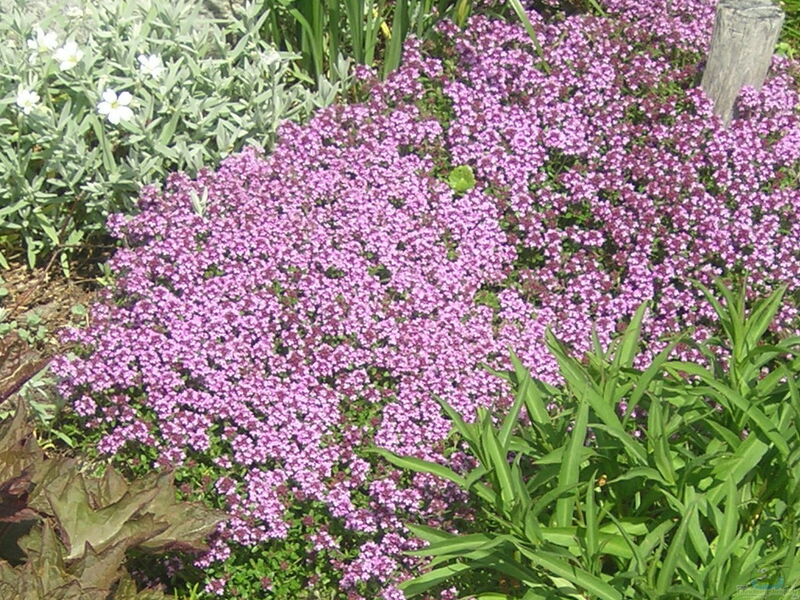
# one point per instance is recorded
(742, 44)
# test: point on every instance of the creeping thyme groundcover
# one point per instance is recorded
(273, 318)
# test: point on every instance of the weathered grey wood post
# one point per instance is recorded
(742, 43)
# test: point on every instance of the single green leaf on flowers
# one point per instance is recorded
(509, 422)
(475, 476)
(461, 179)
(733, 312)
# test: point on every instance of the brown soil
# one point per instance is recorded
(48, 295)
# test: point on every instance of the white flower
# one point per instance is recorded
(270, 57)
(115, 107)
(43, 42)
(151, 65)
(27, 100)
(68, 55)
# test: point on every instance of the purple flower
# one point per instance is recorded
(333, 287)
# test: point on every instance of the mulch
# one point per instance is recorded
(49, 295)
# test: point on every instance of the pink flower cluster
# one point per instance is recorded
(340, 276)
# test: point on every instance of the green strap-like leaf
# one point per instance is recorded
(528, 392)
(675, 552)
(569, 473)
(418, 465)
(596, 587)
(425, 582)
(629, 342)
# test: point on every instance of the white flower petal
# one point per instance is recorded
(125, 98)
(125, 113)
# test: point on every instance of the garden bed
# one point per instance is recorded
(274, 327)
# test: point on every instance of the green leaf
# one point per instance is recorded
(571, 464)
(658, 443)
(526, 23)
(461, 179)
(590, 512)
(675, 552)
(607, 543)
(456, 545)
(498, 462)
(400, 24)
(527, 390)
(596, 587)
(696, 535)
(629, 343)
(730, 397)
(432, 578)
(420, 466)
